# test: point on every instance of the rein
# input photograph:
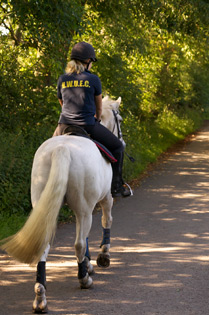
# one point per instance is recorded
(119, 132)
(117, 124)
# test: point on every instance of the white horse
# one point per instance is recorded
(67, 169)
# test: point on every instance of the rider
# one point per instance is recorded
(80, 95)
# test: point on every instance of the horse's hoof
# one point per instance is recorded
(90, 267)
(40, 303)
(40, 311)
(103, 260)
(86, 282)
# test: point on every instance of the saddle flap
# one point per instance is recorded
(105, 152)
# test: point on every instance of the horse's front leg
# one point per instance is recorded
(40, 302)
(103, 259)
(83, 225)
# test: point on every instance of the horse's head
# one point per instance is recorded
(111, 118)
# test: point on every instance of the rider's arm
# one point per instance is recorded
(98, 103)
(60, 101)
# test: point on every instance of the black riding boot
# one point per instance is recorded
(118, 189)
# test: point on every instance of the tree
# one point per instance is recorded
(34, 47)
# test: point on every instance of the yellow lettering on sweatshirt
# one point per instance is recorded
(75, 84)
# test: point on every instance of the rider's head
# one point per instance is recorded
(82, 55)
(83, 51)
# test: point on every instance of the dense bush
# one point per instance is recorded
(17, 151)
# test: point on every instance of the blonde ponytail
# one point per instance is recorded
(75, 66)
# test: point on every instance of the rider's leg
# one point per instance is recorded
(118, 187)
(100, 133)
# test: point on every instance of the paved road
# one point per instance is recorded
(160, 250)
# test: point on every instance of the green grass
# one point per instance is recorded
(11, 224)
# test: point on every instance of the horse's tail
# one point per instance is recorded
(29, 243)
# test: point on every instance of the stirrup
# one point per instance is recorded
(122, 191)
(129, 188)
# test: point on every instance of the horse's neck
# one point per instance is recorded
(107, 118)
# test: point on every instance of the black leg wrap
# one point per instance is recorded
(106, 237)
(82, 269)
(41, 273)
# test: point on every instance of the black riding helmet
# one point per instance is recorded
(83, 51)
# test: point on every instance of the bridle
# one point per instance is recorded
(117, 124)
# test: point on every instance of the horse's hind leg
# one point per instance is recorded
(40, 303)
(103, 259)
(83, 226)
(90, 267)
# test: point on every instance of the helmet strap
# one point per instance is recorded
(87, 65)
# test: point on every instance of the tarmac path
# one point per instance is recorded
(159, 250)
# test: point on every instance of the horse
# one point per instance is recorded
(67, 170)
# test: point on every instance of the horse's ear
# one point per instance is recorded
(119, 100)
(105, 98)
(116, 104)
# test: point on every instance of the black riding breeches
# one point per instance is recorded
(101, 134)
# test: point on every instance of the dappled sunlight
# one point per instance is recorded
(63, 263)
(202, 258)
(161, 211)
(15, 268)
(123, 239)
(146, 249)
(202, 184)
(9, 269)
(63, 256)
(152, 265)
(204, 236)
(194, 171)
(195, 211)
(166, 283)
(186, 195)
(189, 235)
(184, 186)
(172, 247)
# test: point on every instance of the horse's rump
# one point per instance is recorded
(70, 167)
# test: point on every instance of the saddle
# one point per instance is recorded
(75, 130)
